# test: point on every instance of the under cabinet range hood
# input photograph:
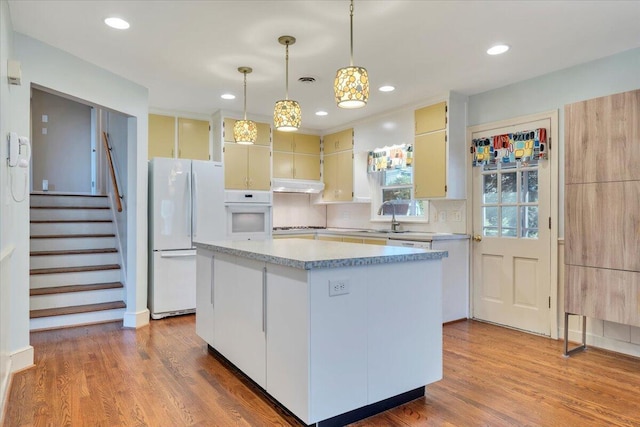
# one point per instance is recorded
(284, 185)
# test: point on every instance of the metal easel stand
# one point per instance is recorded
(581, 347)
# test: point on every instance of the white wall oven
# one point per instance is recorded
(248, 215)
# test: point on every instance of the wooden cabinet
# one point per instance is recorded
(352, 239)
(440, 149)
(294, 236)
(296, 156)
(240, 293)
(162, 135)
(191, 138)
(263, 137)
(204, 295)
(247, 167)
(338, 177)
(338, 141)
(602, 208)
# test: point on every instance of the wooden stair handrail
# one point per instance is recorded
(105, 138)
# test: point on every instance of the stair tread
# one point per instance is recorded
(75, 252)
(58, 270)
(70, 236)
(68, 194)
(75, 309)
(67, 221)
(69, 207)
(74, 288)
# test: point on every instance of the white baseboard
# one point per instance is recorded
(136, 319)
(602, 342)
(5, 384)
(21, 359)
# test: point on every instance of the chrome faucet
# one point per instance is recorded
(394, 223)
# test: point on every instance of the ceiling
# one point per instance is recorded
(187, 52)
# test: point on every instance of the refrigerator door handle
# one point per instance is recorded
(187, 207)
(194, 204)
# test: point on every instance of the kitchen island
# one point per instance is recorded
(333, 331)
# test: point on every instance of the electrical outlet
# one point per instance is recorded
(338, 287)
(456, 216)
(442, 216)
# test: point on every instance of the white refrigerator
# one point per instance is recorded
(186, 203)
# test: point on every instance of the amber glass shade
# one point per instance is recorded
(245, 132)
(287, 115)
(351, 87)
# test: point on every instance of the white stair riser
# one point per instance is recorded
(68, 299)
(50, 228)
(65, 244)
(55, 261)
(77, 214)
(76, 319)
(36, 200)
(80, 278)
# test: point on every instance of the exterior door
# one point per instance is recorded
(511, 255)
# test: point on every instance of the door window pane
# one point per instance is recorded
(509, 187)
(509, 221)
(490, 188)
(490, 221)
(529, 215)
(529, 186)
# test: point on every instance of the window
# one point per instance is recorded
(397, 188)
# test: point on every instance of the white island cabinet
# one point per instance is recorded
(333, 331)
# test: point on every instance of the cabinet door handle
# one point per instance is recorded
(264, 299)
(213, 269)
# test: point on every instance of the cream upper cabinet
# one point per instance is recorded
(431, 118)
(193, 139)
(338, 177)
(440, 150)
(429, 152)
(162, 134)
(247, 167)
(338, 141)
(263, 137)
(296, 156)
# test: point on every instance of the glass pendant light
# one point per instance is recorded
(351, 86)
(245, 131)
(287, 113)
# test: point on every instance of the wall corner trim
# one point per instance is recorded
(21, 359)
(136, 319)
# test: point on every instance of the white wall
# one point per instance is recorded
(54, 69)
(67, 142)
(395, 127)
(8, 208)
(614, 74)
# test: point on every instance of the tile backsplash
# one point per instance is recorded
(298, 209)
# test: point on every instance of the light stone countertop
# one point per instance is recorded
(314, 254)
(419, 236)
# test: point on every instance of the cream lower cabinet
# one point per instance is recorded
(240, 293)
(247, 167)
(338, 177)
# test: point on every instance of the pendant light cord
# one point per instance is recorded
(351, 12)
(286, 96)
(245, 95)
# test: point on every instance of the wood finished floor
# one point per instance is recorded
(162, 375)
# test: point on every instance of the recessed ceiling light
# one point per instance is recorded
(117, 23)
(386, 88)
(498, 49)
(321, 113)
(228, 96)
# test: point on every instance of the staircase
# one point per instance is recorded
(75, 274)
